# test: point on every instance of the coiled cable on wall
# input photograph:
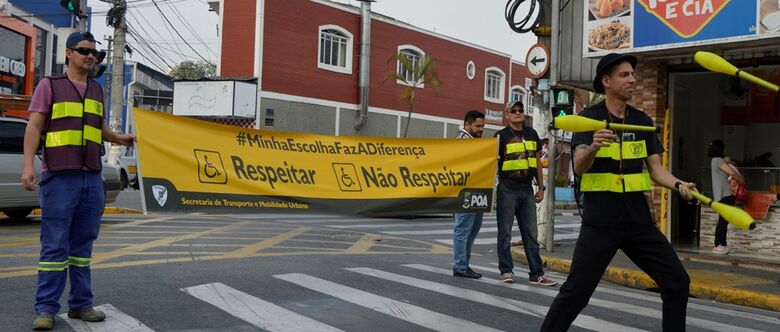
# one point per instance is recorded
(522, 26)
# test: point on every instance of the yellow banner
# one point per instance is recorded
(193, 165)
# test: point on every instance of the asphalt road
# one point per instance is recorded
(317, 273)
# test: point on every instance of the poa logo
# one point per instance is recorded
(474, 200)
(160, 194)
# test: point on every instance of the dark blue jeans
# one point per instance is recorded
(72, 206)
(517, 201)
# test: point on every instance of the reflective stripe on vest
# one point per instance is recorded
(631, 150)
(75, 109)
(73, 137)
(612, 182)
(520, 164)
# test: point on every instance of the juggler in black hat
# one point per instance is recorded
(606, 63)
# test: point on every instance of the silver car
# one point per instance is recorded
(15, 201)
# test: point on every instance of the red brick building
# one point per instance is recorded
(306, 56)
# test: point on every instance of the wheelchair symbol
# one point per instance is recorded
(346, 177)
(209, 169)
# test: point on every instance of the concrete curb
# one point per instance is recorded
(637, 279)
(106, 210)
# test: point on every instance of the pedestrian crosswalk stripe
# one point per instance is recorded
(539, 311)
(586, 320)
(656, 299)
(408, 312)
(115, 321)
(487, 240)
(437, 231)
(259, 313)
(468, 294)
(623, 307)
(483, 230)
(406, 224)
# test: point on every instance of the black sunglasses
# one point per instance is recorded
(516, 111)
(100, 55)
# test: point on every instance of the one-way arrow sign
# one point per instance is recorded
(537, 60)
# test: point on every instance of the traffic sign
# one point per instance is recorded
(537, 60)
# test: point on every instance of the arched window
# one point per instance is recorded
(410, 74)
(335, 51)
(494, 85)
(517, 94)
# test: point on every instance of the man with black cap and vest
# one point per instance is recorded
(66, 117)
(615, 212)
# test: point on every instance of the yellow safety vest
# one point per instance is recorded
(613, 182)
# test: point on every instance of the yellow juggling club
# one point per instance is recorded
(576, 123)
(733, 215)
(713, 62)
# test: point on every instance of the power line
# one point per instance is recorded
(189, 27)
(147, 32)
(177, 32)
(149, 48)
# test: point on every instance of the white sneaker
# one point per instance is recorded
(720, 250)
(507, 277)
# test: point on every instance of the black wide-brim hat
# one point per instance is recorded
(606, 63)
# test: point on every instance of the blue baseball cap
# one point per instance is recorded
(79, 36)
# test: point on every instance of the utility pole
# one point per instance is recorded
(118, 64)
(82, 15)
(107, 89)
(543, 33)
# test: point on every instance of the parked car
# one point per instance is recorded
(15, 201)
(128, 172)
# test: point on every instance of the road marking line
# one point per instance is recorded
(404, 311)
(449, 231)
(656, 299)
(583, 321)
(626, 307)
(115, 321)
(407, 224)
(363, 244)
(102, 257)
(257, 312)
(267, 243)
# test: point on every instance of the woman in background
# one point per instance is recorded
(721, 169)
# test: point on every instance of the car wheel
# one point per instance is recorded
(123, 180)
(18, 213)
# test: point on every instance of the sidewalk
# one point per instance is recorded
(739, 279)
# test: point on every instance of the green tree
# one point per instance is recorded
(190, 70)
(414, 77)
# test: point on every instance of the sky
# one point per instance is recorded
(157, 44)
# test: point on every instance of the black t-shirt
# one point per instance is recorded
(609, 208)
(509, 135)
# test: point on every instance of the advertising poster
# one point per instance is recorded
(646, 25)
(189, 165)
(769, 17)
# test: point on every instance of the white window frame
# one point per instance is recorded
(470, 75)
(398, 63)
(521, 89)
(501, 85)
(349, 45)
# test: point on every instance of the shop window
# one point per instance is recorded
(335, 51)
